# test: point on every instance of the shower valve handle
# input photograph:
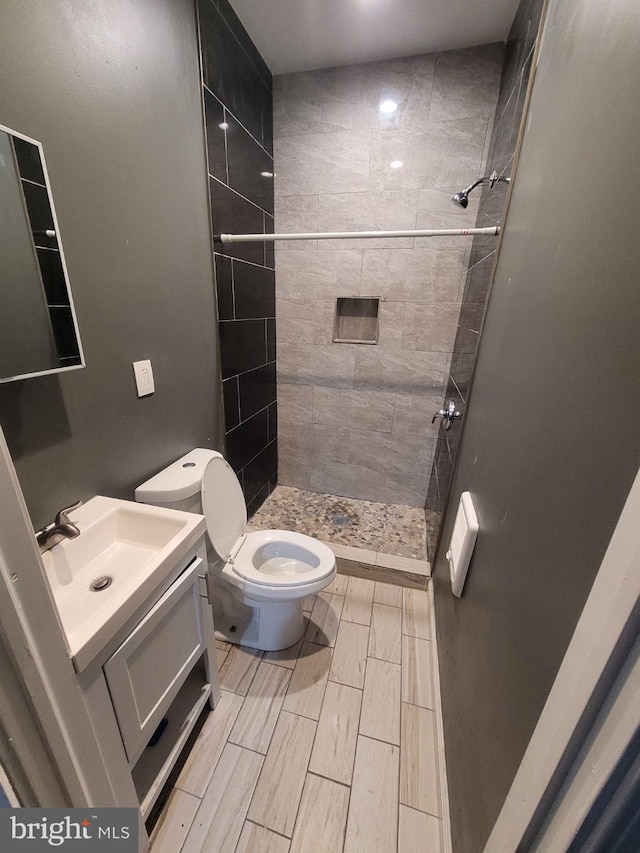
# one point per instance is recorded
(449, 414)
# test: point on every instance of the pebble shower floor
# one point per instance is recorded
(387, 528)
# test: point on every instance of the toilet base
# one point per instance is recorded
(269, 626)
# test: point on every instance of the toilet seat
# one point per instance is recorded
(266, 564)
(281, 558)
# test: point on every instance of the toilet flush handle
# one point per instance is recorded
(449, 414)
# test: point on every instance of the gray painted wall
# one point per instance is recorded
(111, 89)
(551, 444)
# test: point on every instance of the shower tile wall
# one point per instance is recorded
(355, 420)
(509, 113)
(238, 114)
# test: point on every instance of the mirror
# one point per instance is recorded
(38, 328)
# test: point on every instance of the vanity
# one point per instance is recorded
(132, 598)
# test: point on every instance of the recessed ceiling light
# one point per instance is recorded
(223, 125)
(267, 174)
(388, 107)
(396, 164)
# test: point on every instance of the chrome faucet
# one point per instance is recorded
(62, 528)
(448, 414)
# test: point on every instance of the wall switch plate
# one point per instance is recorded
(144, 377)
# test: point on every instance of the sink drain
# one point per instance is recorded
(100, 583)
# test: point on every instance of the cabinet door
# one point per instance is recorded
(146, 672)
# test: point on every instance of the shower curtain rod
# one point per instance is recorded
(348, 235)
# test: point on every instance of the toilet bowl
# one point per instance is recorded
(259, 578)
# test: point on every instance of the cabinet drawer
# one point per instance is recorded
(150, 666)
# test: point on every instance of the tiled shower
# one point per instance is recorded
(353, 419)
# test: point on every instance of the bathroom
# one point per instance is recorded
(112, 91)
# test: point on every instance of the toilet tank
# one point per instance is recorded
(178, 485)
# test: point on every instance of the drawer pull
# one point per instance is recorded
(207, 583)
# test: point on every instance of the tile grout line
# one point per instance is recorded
(206, 791)
(247, 199)
(235, 118)
(221, 751)
(244, 695)
(264, 826)
(298, 715)
(244, 819)
(167, 815)
(355, 755)
(264, 754)
(240, 260)
(306, 772)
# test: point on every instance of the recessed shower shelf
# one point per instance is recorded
(353, 341)
(356, 320)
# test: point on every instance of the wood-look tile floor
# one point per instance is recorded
(326, 747)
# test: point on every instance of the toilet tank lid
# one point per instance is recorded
(182, 479)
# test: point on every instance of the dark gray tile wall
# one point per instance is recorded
(239, 127)
(509, 111)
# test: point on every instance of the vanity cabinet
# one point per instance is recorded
(159, 670)
(146, 672)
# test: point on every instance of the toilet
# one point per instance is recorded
(259, 578)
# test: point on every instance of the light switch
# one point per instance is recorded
(144, 377)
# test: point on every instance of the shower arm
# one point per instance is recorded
(492, 231)
(492, 179)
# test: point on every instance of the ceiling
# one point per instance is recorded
(296, 35)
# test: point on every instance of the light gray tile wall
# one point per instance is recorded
(355, 420)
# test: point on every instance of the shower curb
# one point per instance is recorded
(383, 568)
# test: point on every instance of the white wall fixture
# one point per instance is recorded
(143, 373)
(463, 540)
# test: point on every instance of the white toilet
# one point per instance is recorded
(258, 579)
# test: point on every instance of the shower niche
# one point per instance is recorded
(356, 320)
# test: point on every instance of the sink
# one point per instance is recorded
(123, 554)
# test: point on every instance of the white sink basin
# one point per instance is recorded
(134, 546)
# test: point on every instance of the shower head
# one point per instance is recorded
(462, 198)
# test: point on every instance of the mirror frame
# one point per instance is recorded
(82, 363)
